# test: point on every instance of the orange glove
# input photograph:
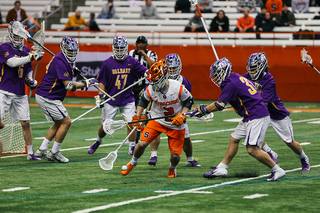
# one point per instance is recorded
(138, 124)
(179, 119)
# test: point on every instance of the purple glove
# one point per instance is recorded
(90, 82)
(200, 111)
(31, 83)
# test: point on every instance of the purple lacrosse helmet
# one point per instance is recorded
(70, 48)
(220, 70)
(120, 47)
(16, 41)
(256, 65)
(174, 63)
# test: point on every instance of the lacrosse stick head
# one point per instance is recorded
(174, 63)
(158, 75)
(106, 163)
(110, 126)
(15, 36)
(203, 118)
(69, 48)
(220, 70)
(39, 37)
(256, 65)
(305, 58)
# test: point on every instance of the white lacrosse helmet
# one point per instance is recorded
(174, 63)
(70, 48)
(220, 70)
(158, 75)
(16, 41)
(120, 47)
(256, 65)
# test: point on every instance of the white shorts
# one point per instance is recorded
(252, 131)
(18, 106)
(283, 128)
(52, 109)
(187, 133)
(109, 112)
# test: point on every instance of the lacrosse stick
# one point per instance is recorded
(106, 163)
(195, 2)
(38, 36)
(18, 29)
(305, 58)
(203, 118)
(142, 79)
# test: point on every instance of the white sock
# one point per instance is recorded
(30, 149)
(190, 158)
(45, 144)
(266, 148)
(131, 144)
(222, 165)
(275, 168)
(55, 147)
(134, 160)
(302, 155)
(153, 153)
(99, 139)
(172, 167)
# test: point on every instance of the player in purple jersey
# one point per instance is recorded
(242, 95)
(116, 73)
(52, 91)
(258, 71)
(16, 70)
(175, 65)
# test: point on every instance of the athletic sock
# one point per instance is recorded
(134, 160)
(153, 153)
(222, 165)
(131, 144)
(55, 147)
(190, 158)
(30, 149)
(302, 155)
(99, 140)
(266, 148)
(275, 168)
(45, 144)
(172, 167)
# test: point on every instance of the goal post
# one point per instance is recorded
(11, 135)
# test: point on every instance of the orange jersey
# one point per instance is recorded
(245, 22)
(274, 6)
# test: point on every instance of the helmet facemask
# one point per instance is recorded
(120, 47)
(158, 75)
(16, 41)
(220, 70)
(174, 62)
(256, 65)
(70, 48)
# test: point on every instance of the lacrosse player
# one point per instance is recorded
(174, 63)
(115, 74)
(52, 91)
(242, 95)
(15, 60)
(169, 98)
(258, 71)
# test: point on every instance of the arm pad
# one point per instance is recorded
(219, 105)
(143, 102)
(72, 86)
(188, 102)
(15, 61)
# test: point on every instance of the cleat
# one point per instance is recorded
(172, 173)
(305, 164)
(193, 163)
(153, 161)
(93, 147)
(32, 157)
(216, 172)
(273, 156)
(128, 169)
(57, 156)
(131, 150)
(41, 153)
(276, 175)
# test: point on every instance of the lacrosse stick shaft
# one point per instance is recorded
(34, 77)
(132, 131)
(314, 68)
(150, 119)
(125, 89)
(205, 28)
(98, 88)
(41, 46)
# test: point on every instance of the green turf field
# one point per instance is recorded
(56, 187)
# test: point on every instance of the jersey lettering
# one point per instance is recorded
(252, 90)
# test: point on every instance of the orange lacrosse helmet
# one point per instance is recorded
(158, 75)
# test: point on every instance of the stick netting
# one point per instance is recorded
(107, 162)
(12, 137)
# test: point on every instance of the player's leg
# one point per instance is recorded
(175, 140)
(154, 151)
(284, 130)
(188, 149)
(271, 153)
(108, 112)
(127, 112)
(1, 127)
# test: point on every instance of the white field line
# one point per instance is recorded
(176, 193)
(255, 196)
(15, 189)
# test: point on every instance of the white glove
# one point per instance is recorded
(194, 2)
(31, 83)
(99, 99)
(35, 55)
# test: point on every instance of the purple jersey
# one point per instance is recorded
(186, 83)
(269, 95)
(58, 70)
(12, 78)
(243, 97)
(117, 75)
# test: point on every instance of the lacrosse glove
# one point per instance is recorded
(138, 124)
(90, 82)
(31, 83)
(179, 119)
(99, 98)
(35, 55)
(200, 111)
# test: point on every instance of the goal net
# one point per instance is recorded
(11, 135)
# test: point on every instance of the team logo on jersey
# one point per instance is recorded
(66, 74)
(6, 54)
(166, 103)
(129, 64)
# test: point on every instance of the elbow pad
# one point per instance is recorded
(72, 86)
(219, 105)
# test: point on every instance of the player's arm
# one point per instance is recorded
(149, 60)
(205, 110)
(32, 83)
(73, 86)
(100, 95)
(17, 61)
